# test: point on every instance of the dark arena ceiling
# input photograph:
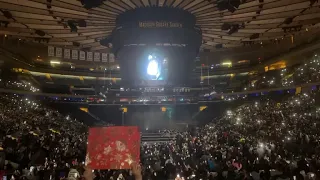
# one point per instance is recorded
(254, 22)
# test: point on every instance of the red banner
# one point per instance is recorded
(113, 147)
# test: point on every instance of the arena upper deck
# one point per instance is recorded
(254, 22)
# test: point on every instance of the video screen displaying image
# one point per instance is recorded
(141, 66)
(153, 67)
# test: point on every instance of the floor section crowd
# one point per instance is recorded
(258, 140)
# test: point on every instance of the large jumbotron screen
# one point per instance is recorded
(155, 66)
(155, 46)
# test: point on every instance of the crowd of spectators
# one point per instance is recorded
(306, 72)
(33, 135)
(258, 140)
(18, 85)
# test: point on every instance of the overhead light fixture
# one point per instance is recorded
(292, 29)
(226, 63)
(42, 40)
(73, 26)
(76, 44)
(288, 20)
(82, 23)
(88, 4)
(4, 23)
(234, 28)
(231, 5)
(106, 41)
(312, 2)
(219, 46)
(254, 36)
(7, 14)
(40, 32)
(225, 26)
(55, 62)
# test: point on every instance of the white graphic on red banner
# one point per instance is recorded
(89, 56)
(104, 57)
(74, 54)
(59, 52)
(50, 51)
(67, 53)
(82, 56)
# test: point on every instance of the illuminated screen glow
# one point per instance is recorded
(153, 68)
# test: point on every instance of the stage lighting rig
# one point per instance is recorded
(7, 14)
(254, 36)
(73, 26)
(231, 5)
(107, 41)
(76, 44)
(219, 46)
(88, 4)
(231, 29)
(4, 23)
(312, 2)
(292, 29)
(40, 32)
(82, 23)
(225, 27)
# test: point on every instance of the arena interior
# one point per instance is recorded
(218, 89)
